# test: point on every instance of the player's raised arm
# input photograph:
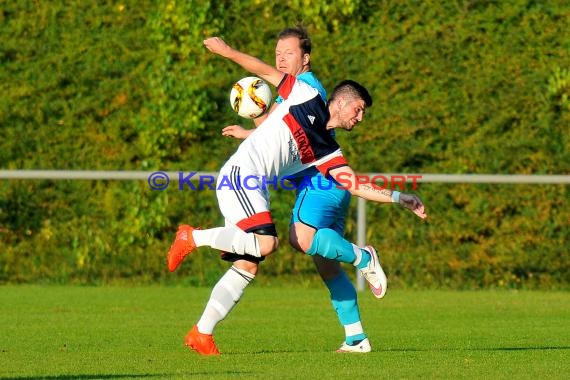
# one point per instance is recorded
(252, 64)
(364, 188)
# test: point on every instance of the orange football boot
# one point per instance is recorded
(182, 246)
(201, 343)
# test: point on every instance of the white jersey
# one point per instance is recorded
(293, 137)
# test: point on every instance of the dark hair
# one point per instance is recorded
(352, 89)
(300, 33)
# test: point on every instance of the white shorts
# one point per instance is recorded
(243, 199)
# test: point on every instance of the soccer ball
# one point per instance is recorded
(250, 97)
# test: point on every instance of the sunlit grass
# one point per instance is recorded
(281, 333)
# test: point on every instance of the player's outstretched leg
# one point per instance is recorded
(331, 245)
(229, 239)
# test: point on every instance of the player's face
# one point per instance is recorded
(350, 113)
(289, 57)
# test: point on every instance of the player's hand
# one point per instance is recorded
(236, 131)
(413, 203)
(217, 46)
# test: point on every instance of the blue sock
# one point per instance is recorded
(330, 244)
(343, 298)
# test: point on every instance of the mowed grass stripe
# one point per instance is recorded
(282, 333)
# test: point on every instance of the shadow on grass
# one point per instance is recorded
(85, 377)
(117, 376)
(523, 348)
(410, 349)
(531, 348)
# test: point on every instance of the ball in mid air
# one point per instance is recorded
(250, 97)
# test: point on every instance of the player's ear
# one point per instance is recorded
(306, 59)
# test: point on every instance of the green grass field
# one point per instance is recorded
(281, 333)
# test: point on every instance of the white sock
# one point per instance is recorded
(225, 295)
(205, 237)
(228, 239)
(353, 329)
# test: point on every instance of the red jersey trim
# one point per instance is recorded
(258, 220)
(301, 138)
(286, 85)
(334, 163)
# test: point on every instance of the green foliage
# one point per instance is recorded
(559, 88)
(178, 104)
(458, 87)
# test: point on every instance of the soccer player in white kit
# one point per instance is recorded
(318, 203)
(294, 137)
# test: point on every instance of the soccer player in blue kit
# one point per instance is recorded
(295, 137)
(319, 202)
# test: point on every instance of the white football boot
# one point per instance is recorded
(362, 347)
(374, 274)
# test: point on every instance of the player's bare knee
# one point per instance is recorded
(267, 244)
(301, 236)
(294, 241)
(248, 266)
(267, 239)
(300, 243)
(304, 244)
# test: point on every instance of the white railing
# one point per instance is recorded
(174, 175)
(361, 206)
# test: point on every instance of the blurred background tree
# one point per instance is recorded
(458, 87)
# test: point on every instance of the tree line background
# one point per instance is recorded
(477, 86)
